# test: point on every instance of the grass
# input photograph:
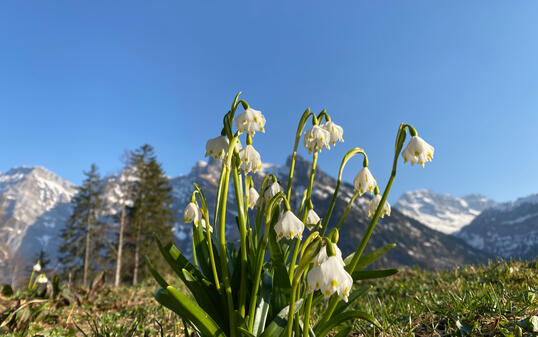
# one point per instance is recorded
(493, 300)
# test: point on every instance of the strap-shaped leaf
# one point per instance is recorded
(281, 279)
(369, 258)
(187, 309)
(156, 274)
(371, 274)
(210, 300)
(277, 326)
(336, 320)
(262, 308)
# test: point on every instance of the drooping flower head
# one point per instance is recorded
(312, 218)
(250, 159)
(250, 121)
(418, 151)
(203, 223)
(374, 203)
(37, 267)
(217, 147)
(42, 279)
(330, 277)
(336, 132)
(289, 226)
(364, 181)
(191, 213)
(322, 255)
(252, 197)
(271, 191)
(316, 138)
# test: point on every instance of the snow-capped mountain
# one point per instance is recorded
(416, 244)
(34, 204)
(507, 230)
(442, 212)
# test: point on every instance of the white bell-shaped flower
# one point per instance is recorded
(42, 279)
(217, 147)
(271, 191)
(250, 121)
(364, 181)
(322, 255)
(202, 221)
(330, 277)
(312, 218)
(37, 267)
(252, 197)
(191, 213)
(289, 226)
(418, 151)
(316, 138)
(336, 132)
(374, 203)
(250, 159)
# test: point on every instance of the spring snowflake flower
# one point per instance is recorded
(191, 213)
(418, 151)
(330, 277)
(374, 203)
(42, 279)
(37, 267)
(252, 197)
(271, 191)
(312, 218)
(250, 159)
(250, 121)
(322, 255)
(202, 221)
(364, 181)
(316, 138)
(218, 147)
(289, 226)
(336, 132)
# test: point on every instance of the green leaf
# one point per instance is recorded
(371, 274)
(262, 308)
(187, 309)
(156, 274)
(245, 332)
(322, 330)
(277, 326)
(369, 258)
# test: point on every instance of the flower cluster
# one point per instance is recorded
(264, 217)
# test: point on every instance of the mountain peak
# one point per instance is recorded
(442, 212)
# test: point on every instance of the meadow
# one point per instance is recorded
(498, 299)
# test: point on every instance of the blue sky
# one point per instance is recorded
(81, 82)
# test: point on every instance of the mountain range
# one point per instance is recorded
(429, 229)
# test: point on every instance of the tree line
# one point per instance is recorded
(114, 219)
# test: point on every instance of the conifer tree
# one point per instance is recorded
(151, 211)
(80, 250)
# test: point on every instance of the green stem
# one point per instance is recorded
(347, 157)
(259, 258)
(298, 134)
(211, 256)
(222, 238)
(31, 278)
(194, 248)
(348, 208)
(291, 312)
(243, 239)
(308, 308)
(400, 138)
